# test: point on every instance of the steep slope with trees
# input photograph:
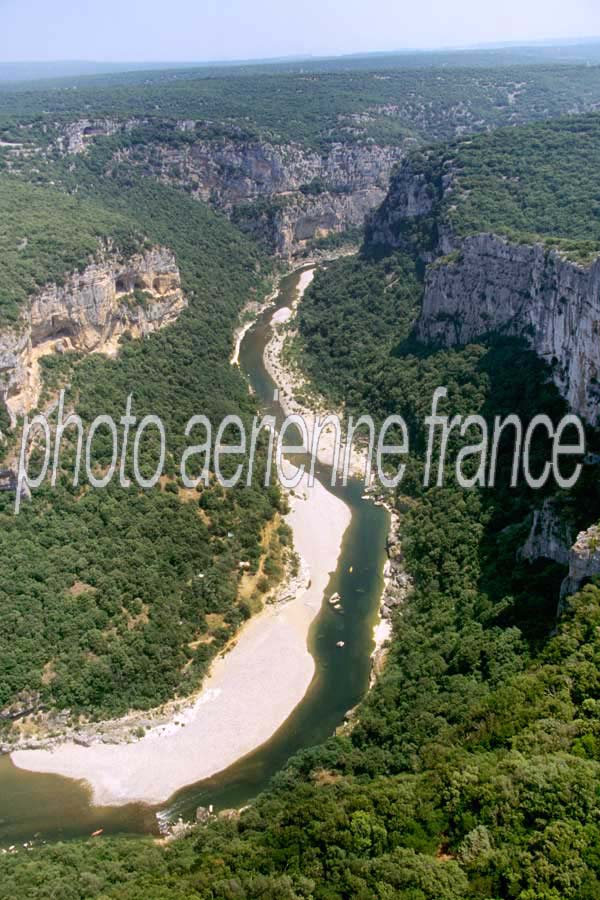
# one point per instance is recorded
(471, 769)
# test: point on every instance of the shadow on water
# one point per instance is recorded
(55, 808)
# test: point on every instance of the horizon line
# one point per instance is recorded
(486, 46)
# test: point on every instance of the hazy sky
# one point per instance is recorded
(131, 30)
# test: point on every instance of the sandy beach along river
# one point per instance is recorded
(285, 683)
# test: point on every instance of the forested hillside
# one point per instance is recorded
(532, 183)
(294, 159)
(322, 107)
(100, 605)
(46, 234)
(471, 769)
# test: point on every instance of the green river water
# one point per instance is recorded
(48, 808)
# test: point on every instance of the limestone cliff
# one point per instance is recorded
(288, 227)
(485, 283)
(230, 171)
(584, 561)
(417, 189)
(492, 285)
(285, 194)
(88, 313)
(76, 136)
(550, 537)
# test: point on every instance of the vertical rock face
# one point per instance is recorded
(411, 195)
(584, 561)
(416, 190)
(491, 285)
(228, 172)
(287, 228)
(77, 135)
(550, 537)
(305, 193)
(484, 283)
(88, 313)
(284, 194)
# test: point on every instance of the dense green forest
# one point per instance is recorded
(47, 233)
(551, 189)
(471, 771)
(532, 183)
(101, 608)
(318, 108)
(472, 767)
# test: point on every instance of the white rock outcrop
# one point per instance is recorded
(584, 562)
(550, 537)
(493, 285)
(88, 313)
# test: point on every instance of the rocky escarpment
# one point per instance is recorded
(228, 172)
(493, 285)
(485, 283)
(417, 189)
(88, 313)
(550, 537)
(584, 561)
(284, 194)
(290, 224)
(76, 136)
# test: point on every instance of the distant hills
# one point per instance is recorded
(574, 52)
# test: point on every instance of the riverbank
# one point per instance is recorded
(397, 585)
(248, 694)
(293, 386)
(250, 691)
(253, 309)
(248, 317)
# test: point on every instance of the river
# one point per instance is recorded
(48, 807)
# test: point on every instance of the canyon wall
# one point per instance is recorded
(416, 191)
(492, 285)
(486, 283)
(283, 194)
(88, 313)
(584, 562)
(483, 284)
(550, 537)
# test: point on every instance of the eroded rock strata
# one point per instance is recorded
(284, 194)
(88, 313)
(485, 283)
(492, 285)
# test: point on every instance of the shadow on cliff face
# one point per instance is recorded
(498, 377)
(527, 590)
